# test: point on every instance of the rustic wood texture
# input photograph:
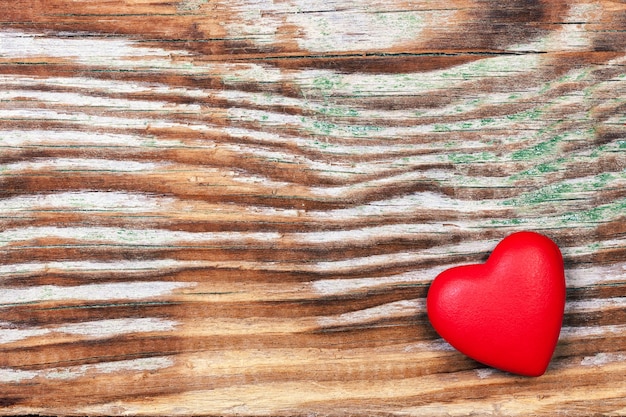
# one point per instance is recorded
(235, 207)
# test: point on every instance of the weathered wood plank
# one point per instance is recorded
(236, 207)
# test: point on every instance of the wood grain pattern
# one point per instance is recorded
(213, 207)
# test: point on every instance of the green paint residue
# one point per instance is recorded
(328, 84)
(466, 158)
(324, 128)
(538, 170)
(538, 150)
(566, 190)
(507, 222)
(362, 130)
(441, 128)
(605, 212)
(322, 145)
(127, 235)
(320, 127)
(549, 193)
(531, 114)
(338, 111)
(149, 142)
(601, 180)
(462, 75)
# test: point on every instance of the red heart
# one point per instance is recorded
(506, 313)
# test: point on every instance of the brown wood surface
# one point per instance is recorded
(235, 207)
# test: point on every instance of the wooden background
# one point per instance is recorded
(235, 207)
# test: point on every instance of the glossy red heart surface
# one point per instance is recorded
(505, 313)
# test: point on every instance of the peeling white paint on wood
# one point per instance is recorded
(78, 118)
(580, 332)
(603, 358)
(72, 138)
(396, 309)
(597, 304)
(596, 275)
(104, 103)
(100, 329)
(91, 51)
(10, 335)
(87, 201)
(88, 85)
(140, 237)
(126, 266)
(346, 286)
(322, 31)
(439, 252)
(84, 164)
(91, 292)
(115, 327)
(74, 372)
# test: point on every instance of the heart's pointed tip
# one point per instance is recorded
(532, 371)
(529, 373)
(527, 365)
(522, 374)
